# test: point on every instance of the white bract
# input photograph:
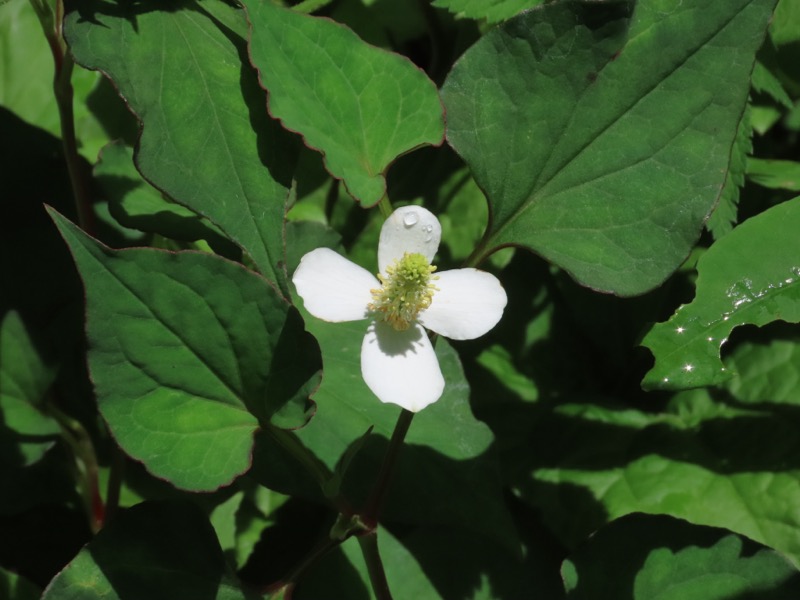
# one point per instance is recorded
(398, 361)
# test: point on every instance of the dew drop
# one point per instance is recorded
(410, 219)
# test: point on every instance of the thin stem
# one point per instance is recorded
(385, 206)
(288, 583)
(62, 88)
(372, 557)
(478, 254)
(309, 6)
(115, 476)
(378, 496)
(316, 468)
(81, 444)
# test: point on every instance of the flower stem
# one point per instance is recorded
(62, 88)
(81, 444)
(372, 557)
(288, 583)
(385, 206)
(115, 477)
(378, 496)
(316, 468)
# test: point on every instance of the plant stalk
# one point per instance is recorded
(62, 88)
(80, 442)
(378, 495)
(372, 557)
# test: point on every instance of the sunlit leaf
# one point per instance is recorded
(359, 105)
(188, 353)
(601, 132)
(751, 276)
(206, 138)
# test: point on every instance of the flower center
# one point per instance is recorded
(405, 291)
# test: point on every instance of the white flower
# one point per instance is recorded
(398, 361)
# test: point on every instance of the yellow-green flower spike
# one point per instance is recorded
(405, 291)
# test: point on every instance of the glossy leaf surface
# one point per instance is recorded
(751, 276)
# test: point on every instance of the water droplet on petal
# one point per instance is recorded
(410, 219)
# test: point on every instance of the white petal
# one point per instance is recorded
(468, 304)
(401, 366)
(411, 229)
(333, 288)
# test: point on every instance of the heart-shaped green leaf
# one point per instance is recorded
(359, 105)
(188, 353)
(751, 276)
(206, 138)
(601, 132)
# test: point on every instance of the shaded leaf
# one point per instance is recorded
(774, 174)
(748, 277)
(359, 105)
(584, 465)
(136, 204)
(154, 550)
(14, 587)
(767, 369)
(26, 70)
(493, 11)
(195, 337)
(25, 377)
(447, 449)
(206, 138)
(601, 132)
(644, 557)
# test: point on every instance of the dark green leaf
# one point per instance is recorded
(188, 352)
(644, 557)
(725, 215)
(601, 132)
(153, 550)
(206, 138)
(774, 174)
(360, 106)
(584, 465)
(493, 11)
(447, 448)
(136, 204)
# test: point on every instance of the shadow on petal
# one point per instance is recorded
(393, 342)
